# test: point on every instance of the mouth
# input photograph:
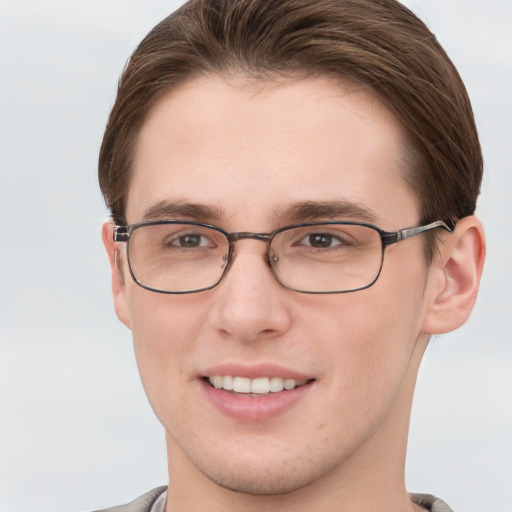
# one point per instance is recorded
(257, 393)
(259, 386)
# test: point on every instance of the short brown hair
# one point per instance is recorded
(379, 44)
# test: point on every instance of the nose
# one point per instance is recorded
(250, 304)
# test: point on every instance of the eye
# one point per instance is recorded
(321, 240)
(190, 241)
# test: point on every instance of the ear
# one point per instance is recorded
(454, 277)
(117, 264)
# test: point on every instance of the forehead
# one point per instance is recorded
(253, 148)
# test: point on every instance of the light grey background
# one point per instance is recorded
(75, 430)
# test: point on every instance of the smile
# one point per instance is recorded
(260, 385)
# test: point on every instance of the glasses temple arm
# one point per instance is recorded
(402, 234)
(120, 234)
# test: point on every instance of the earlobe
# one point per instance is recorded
(117, 273)
(454, 277)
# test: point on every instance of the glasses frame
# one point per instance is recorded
(123, 234)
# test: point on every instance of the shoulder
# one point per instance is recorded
(430, 503)
(141, 504)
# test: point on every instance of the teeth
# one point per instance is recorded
(260, 386)
(217, 381)
(227, 382)
(289, 384)
(276, 384)
(241, 385)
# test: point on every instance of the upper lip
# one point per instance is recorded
(253, 371)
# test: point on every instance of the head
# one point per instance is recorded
(379, 45)
(255, 115)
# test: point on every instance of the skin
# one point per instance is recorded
(252, 150)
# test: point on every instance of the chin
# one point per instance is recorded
(259, 482)
(269, 475)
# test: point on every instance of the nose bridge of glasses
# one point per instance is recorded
(241, 235)
(246, 235)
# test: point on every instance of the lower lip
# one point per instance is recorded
(254, 408)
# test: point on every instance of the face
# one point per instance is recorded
(250, 155)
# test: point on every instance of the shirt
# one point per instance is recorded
(427, 501)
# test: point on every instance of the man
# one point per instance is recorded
(292, 187)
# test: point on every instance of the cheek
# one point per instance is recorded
(164, 323)
(371, 335)
(165, 336)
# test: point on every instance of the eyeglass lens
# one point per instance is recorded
(182, 258)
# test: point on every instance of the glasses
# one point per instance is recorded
(175, 256)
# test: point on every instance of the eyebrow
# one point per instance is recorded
(171, 209)
(303, 211)
(310, 211)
